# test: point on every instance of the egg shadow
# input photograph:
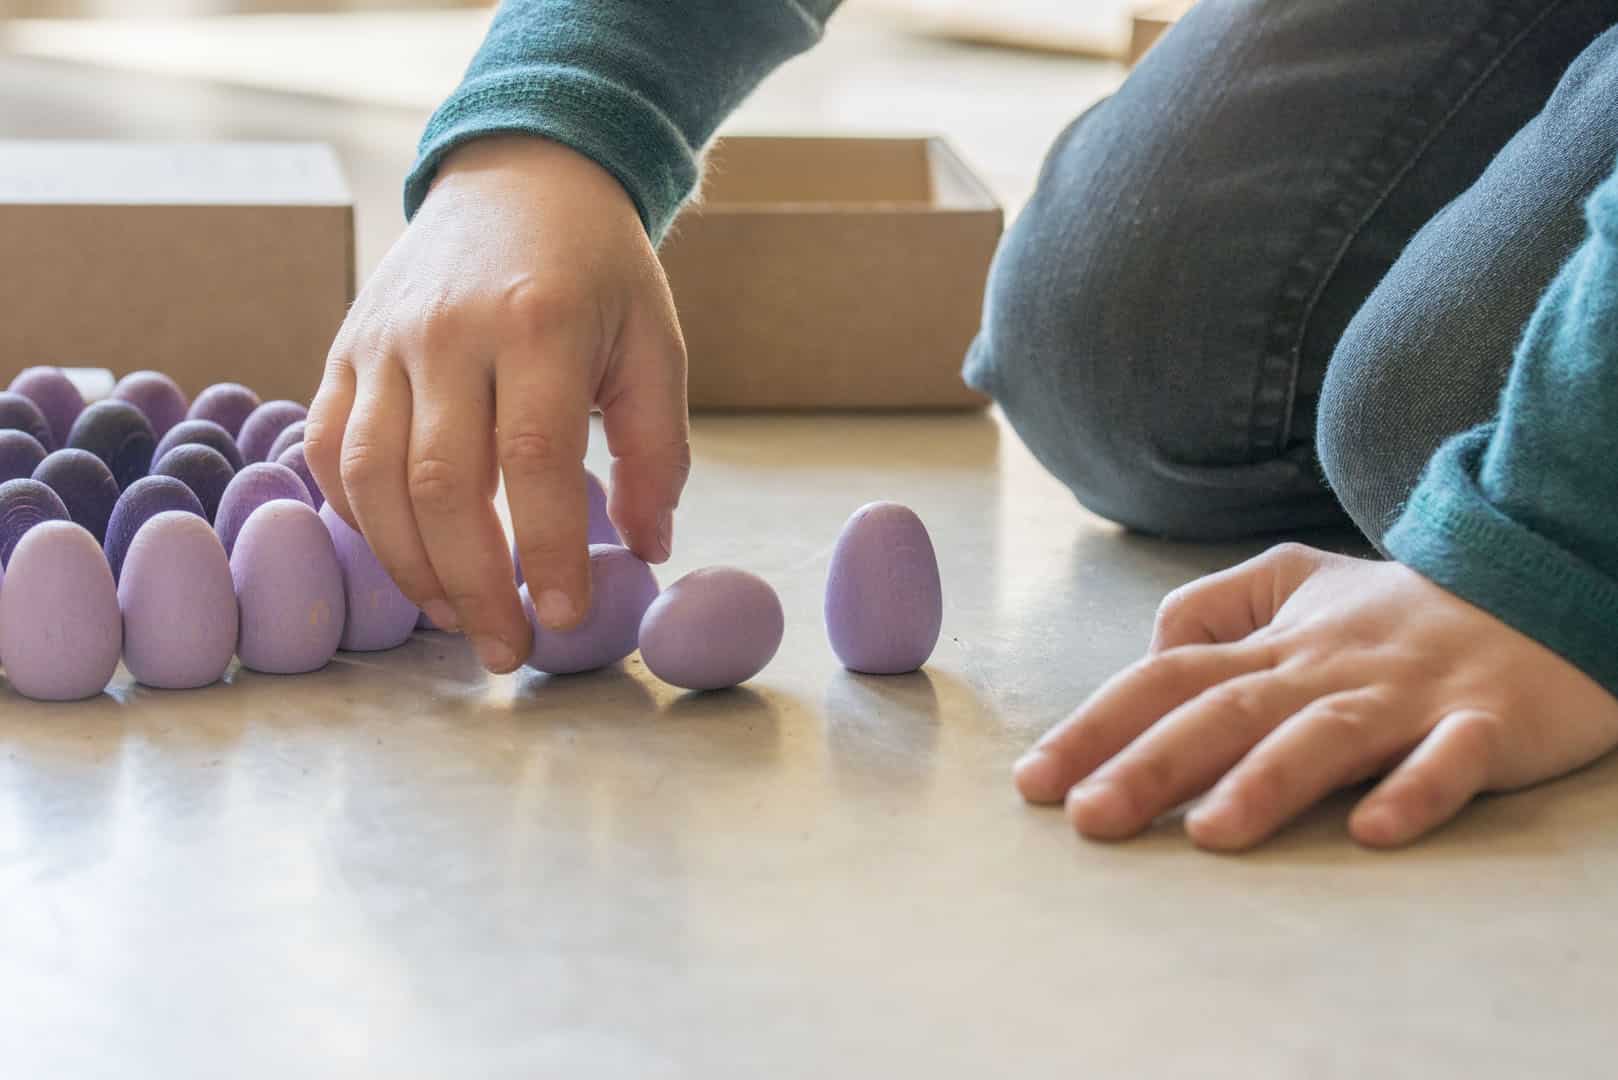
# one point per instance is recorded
(883, 727)
(740, 725)
(608, 695)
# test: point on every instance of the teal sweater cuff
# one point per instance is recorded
(1451, 534)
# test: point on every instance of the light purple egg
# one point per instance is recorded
(422, 621)
(140, 502)
(379, 615)
(25, 504)
(250, 489)
(259, 431)
(60, 629)
(202, 469)
(293, 458)
(602, 530)
(120, 435)
(178, 602)
(204, 432)
(57, 398)
(84, 484)
(289, 587)
(884, 602)
(290, 435)
(712, 629)
(155, 395)
(227, 404)
(18, 413)
(20, 454)
(622, 588)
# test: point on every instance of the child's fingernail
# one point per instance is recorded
(555, 609)
(665, 533)
(442, 615)
(1036, 775)
(495, 654)
(1377, 825)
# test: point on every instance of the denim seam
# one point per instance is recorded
(1353, 177)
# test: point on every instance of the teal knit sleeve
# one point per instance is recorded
(639, 86)
(1520, 516)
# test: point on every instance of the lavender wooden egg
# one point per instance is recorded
(884, 602)
(118, 434)
(622, 587)
(602, 530)
(202, 432)
(290, 435)
(292, 457)
(60, 629)
(289, 587)
(140, 502)
(248, 490)
(712, 629)
(57, 399)
(178, 602)
(227, 404)
(260, 429)
(18, 413)
(157, 396)
(379, 615)
(202, 469)
(20, 454)
(25, 504)
(84, 484)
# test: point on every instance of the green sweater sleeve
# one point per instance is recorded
(1520, 516)
(639, 86)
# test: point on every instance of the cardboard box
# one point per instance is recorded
(832, 273)
(210, 262)
(1150, 23)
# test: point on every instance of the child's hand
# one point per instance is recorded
(1300, 672)
(524, 293)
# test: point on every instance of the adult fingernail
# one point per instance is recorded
(495, 654)
(665, 533)
(555, 609)
(442, 615)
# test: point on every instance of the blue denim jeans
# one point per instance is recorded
(1258, 286)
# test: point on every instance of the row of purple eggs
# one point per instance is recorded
(284, 588)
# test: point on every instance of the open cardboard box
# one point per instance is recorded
(222, 261)
(832, 273)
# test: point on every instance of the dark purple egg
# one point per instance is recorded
(21, 414)
(118, 434)
(292, 457)
(158, 397)
(268, 420)
(202, 469)
(227, 404)
(602, 530)
(84, 484)
(141, 501)
(250, 489)
(53, 392)
(24, 504)
(20, 454)
(622, 588)
(884, 602)
(204, 433)
(712, 629)
(290, 435)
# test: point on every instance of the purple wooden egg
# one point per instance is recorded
(268, 420)
(602, 530)
(290, 435)
(157, 396)
(140, 502)
(227, 404)
(25, 504)
(289, 587)
(379, 615)
(884, 602)
(202, 469)
(250, 489)
(20, 454)
(204, 433)
(118, 434)
(178, 602)
(712, 629)
(424, 623)
(60, 629)
(18, 413)
(292, 457)
(622, 587)
(57, 398)
(84, 484)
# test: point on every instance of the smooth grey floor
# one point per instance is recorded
(400, 868)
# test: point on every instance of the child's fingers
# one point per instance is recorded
(1126, 705)
(1434, 783)
(1335, 741)
(323, 432)
(648, 432)
(1231, 604)
(1185, 753)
